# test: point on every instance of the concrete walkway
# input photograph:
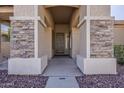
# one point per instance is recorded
(62, 66)
(62, 72)
(62, 82)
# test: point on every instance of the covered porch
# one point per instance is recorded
(76, 31)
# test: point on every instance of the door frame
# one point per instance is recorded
(55, 42)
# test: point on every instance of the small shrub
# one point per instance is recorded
(119, 53)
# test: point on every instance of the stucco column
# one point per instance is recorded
(96, 41)
(97, 26)
(101, 32)
(24, 42)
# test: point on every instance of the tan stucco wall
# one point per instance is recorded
(63, 28)
(45, 33)
(119, 35)
(83, 12)
(82, 44)
(100, 10)
(75, 42)
(45, 15)
(75, 18)
(44, 41)
(40, 40)
(82, 33)
(23, 10)
(48, 43)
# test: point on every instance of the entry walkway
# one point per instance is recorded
(62, 72)
(62, 82)
(62, 66)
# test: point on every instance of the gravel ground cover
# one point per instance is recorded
(103, 81)
(21, 81)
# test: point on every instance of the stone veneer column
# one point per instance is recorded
(22, 39)
(101, 38)
(99, 42)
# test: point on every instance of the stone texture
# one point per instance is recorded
(22, 39)
(101, 38)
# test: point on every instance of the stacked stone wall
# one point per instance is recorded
(22, 39)
(101, 38)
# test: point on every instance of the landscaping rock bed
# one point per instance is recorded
(103, 81)
(21, 81)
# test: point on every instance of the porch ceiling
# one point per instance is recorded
(5, 12)
(61, 14)
(5, 16)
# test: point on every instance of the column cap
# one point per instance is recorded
(24, 18)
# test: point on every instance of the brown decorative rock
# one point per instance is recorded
(103, 81)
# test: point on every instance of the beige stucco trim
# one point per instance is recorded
(99, 17)
(92, 66)
(113, 37)
(27, 66)
(88, 32)
(36, 32)
(42, 22)
(94, 18)
(24, 18)
(81, 22)
(29, 18)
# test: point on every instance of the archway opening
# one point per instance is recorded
(61, 34)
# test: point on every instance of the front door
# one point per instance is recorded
(59, 44)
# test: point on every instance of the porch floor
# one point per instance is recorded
(62, 66)
(62, 71)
